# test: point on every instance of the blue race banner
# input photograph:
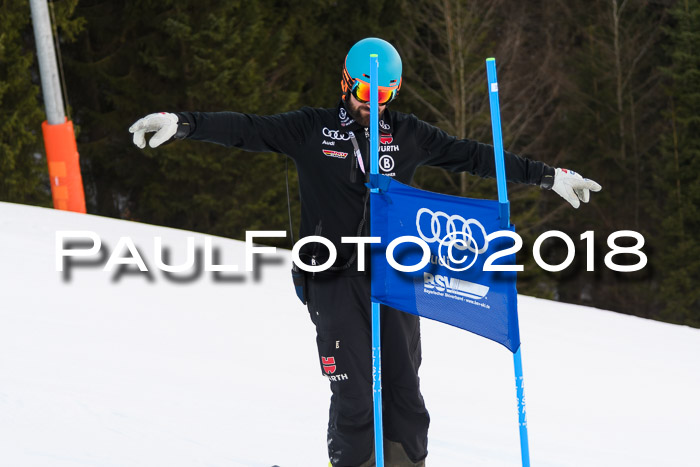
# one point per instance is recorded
(452, 287)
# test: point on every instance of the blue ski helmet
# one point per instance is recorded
(356, 70)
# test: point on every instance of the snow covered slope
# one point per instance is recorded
(139, 370)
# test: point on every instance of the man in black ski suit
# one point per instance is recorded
(324, 144)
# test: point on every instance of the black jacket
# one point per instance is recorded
(331, 182)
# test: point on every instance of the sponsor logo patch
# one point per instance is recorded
(337, 154)
(343, 377)
(454, 286)
(328, 365)
(335, 134)
(345, 119)
(329, 368)
(389, 148)
(386, 163)
(385, 138)
(455, 289)
(465, 235)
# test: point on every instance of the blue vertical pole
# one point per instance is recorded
(504, 205)
(376, 334)
(504, 208)
(522, 415)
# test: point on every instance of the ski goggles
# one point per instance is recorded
(360, 90)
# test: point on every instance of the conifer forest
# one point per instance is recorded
(609, 88)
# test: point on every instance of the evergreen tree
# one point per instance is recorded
(252, 57)
(23, 168)
(678, 240)
(21, 165)
(610, 131)
(581, 87)
(444, 47)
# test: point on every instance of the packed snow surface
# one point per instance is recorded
(100, 368)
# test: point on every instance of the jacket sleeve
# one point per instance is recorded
(464, 155)
(282, 133)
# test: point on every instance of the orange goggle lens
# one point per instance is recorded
(361, 92)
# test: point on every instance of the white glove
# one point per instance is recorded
(573, 187)
(163, 123)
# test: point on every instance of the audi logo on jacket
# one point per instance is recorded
(331, 181)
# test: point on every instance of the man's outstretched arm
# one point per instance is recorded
(463, 155)
(281, 133)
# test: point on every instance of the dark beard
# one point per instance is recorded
(357, 116)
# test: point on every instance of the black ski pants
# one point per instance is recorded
(341, 310)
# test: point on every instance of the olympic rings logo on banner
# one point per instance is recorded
(461, 238)
(335, 134)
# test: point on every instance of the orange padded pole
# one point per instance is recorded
(64, 167)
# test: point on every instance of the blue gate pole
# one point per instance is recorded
(376, 334)
(504, 208)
